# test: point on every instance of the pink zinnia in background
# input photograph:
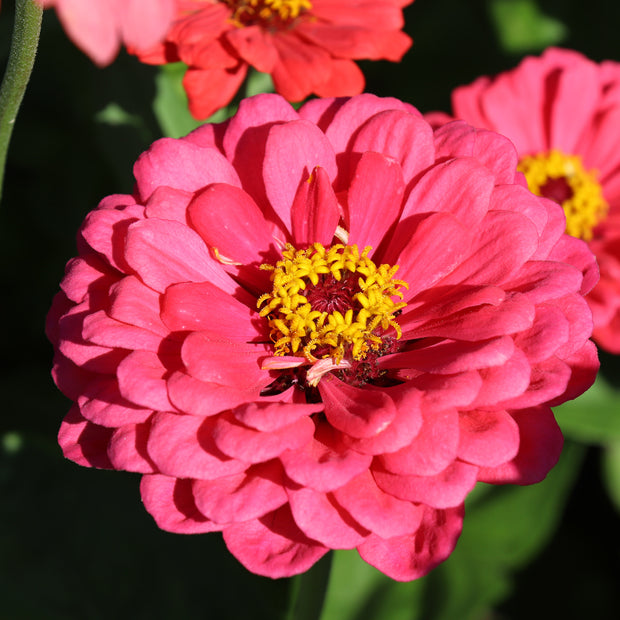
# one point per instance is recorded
(100, 27)
(562, 112)
(308, 46)
(319, 329)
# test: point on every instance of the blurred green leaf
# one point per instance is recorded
(521, 26)
(258, 83)
(357, 591)
(611, 472)
(170, 103)
(594, 417)
(307, 591)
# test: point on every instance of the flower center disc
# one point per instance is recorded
(562, 178)
(330, 302)
(274, 13)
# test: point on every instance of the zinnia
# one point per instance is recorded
(562, 112)
(99, 27)
(318, 330)
(308, 46)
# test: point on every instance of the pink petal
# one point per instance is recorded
(167, 203)
(100, 329)
(105, 229)
(382, 514)
(354, 411)
(540, 445)
(202, 306)
(199, 398)
(374, 199)
(315, 212)
(486, 321)
(320, 517)
(450, 357)
(459, 186)
(166, 252)
(269, 417)
(252, 446)
(273, 545)
(403, 428)
(415, 251)
(171, 503)
(431, 451)
(101, 403)
(127, 449)
(182, 446)
(292, 151)
(243, 496)
(352, 113)
(488, 438)
(445, 490)
(412, 556)
(489, 261)
(458, 139)
(405, 137)
(83, 442)
(181, 165)
(210, 357)
(141, 380)
(136, 304)
(228, 219)
(323, 465)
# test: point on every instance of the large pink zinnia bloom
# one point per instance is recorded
(562, 112)
(308, 46)
(100, 27)
(324, 400)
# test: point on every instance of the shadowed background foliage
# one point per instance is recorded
(77, 543)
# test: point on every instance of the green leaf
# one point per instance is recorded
(170, 103)
(594, 417)
(522, 27)
(357, 591)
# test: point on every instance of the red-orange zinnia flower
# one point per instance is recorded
(308, 46)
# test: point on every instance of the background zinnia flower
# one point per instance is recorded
(562, 112)
(318, 330)
(100, 27)
(308, 46)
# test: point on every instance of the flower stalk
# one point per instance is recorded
(26, 31)
(308, 591)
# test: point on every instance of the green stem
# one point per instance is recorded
(308, 591)
(28, 16)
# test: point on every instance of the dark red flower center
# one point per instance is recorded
(270, 14)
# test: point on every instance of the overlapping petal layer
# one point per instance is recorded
(160, 342)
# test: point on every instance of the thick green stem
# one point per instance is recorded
(26, 30)
(308, 591)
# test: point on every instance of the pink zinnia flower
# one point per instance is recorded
(308, 46)
(562, 112)
(318, 330)
(100, 27)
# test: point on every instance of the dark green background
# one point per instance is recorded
(76, 543)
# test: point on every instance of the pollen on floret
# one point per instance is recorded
(563, 178)
(331, 303)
